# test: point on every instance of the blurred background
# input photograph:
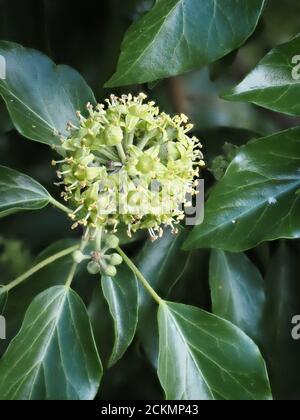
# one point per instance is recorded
(88, 37)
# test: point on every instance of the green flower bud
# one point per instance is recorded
(93, 268)
(92, 173)
(131, 167)
(135, 110)
(145, 164)
(169, 151)
(112, 242)
(110, 271)
(113, 135)
(80, 173)
(131, 122)
(91, 195)
(132, 171)
(116, 259)
(173, 152)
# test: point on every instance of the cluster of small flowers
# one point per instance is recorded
(128, 164)
(100, 261)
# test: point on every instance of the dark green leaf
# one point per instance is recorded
(237, 290)
(20, 297)
(19, 192)
(179, 35)
(275, 82)
(54, 356)
(121, 294)
(203, 357)
(256, 200)
(40, 96)
(102, 324)
(156, 260)
(5, 122)
(283, 304)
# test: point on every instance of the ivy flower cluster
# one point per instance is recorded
(100, 260)
(128, 164)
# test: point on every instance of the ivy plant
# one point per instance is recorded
(81, 307)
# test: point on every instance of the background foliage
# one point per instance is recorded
(216, 70)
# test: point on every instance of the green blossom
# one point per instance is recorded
(128, 164)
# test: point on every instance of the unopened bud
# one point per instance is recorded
(113, 135)
(93, 268)
(116, 259)
(145, 164)
(112, 242)
(110, 271)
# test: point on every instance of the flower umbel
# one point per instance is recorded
(128, 164)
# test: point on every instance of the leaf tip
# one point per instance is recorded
(228, 95)
(113, 81)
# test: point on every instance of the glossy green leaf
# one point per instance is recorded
(237, 290)
(19, 192)
(256, 200)
(21, 297)
(275, 81)
(283, 304)
(54, 356)
(121, 293)
(40, 96)
(102, 324)
(179, 35)
(203, 357)
(5, 121)
(156, 261)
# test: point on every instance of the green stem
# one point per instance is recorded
(143, 142)
(130, 138)
(108, 153)
(37, 268)
(60, 206)
(121, 152)
(140, 277)
(71, 275)
(126, 140)
(99, 239)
